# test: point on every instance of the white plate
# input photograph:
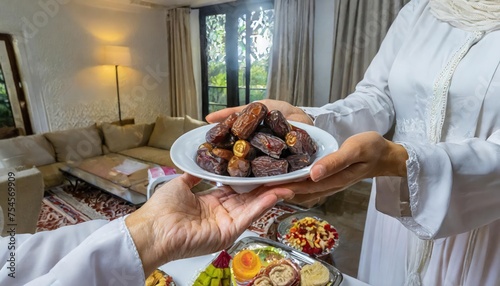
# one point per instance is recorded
(183, 154)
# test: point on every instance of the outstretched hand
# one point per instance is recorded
(175, 223)
(361, 156)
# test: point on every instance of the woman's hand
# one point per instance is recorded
(365, 155)
(175, 223)
(289, 111)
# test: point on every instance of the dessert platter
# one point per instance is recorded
(252, 148)
(256, 261)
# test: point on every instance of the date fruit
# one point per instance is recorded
(239, 167)
(241, 148)
(269, 144)
(264, 166)
(221, 133)
(297, 162)
(210, 162)
(278, 123)
(223, 153)
(248, 120)
(299, 142)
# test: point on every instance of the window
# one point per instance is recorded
(236, 42)
(13, 106)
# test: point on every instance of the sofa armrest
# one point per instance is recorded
(21, 194)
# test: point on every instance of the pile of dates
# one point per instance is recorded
(255, 143)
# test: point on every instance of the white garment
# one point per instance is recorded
(96, 252)
(469, 15)
(454, 185)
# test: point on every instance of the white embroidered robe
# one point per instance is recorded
(454, 185)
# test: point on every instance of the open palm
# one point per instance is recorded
(183, 224)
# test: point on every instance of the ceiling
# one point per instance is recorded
(179, 3)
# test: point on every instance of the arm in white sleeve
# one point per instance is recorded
(97, 252)
(370, 107)
(453, 187)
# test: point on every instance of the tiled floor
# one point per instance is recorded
(347, 212)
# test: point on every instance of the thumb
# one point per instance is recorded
(190, 180)
(332, 163)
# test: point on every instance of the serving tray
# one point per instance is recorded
(297, 257)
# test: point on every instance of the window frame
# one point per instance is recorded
(21, 97)
(232, 10)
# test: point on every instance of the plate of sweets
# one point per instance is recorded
(252, 148)
(159, 278)
(309, 234)
(256, 261)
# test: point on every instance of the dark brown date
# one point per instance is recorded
(299, 142)
(248, 120)
(269, 144)
(228, 143)
(278, 123)
(297, 162)
(220, 133)
(239, 167)
(264, 166)
(223, 153)
(211, 163)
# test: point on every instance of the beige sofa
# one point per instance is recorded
(49, 151)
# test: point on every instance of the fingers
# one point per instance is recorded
(220, 115)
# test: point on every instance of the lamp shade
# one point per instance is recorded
(117, 55)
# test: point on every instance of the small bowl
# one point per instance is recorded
(284, 229)
(183, 155)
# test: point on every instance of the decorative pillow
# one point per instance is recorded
(119, 138)
(33, 150)
(167, 129)
(76, 144)
(191, 123)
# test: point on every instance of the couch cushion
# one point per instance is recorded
(76, 144)
(191, 123)
(52, 176)
(118, 138)
(167, 129)
(150, 154)
(32, 150)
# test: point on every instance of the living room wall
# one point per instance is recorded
(59, 46)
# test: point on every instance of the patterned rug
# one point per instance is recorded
(62, 206)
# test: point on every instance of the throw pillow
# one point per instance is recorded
(191, 123)
(167, 129)
(76, 144)
(124, 137)
(33, 150)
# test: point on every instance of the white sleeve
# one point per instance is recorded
(370, 107)
(454, 187)
(97, 252)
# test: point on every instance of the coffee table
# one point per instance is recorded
(119, 175)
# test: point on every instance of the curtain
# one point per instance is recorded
(360, 28)
(183, 97)
(291, 68)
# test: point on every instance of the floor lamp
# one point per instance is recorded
(117, 56)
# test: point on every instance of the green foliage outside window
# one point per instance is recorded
(6, 116)
(261, 24)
